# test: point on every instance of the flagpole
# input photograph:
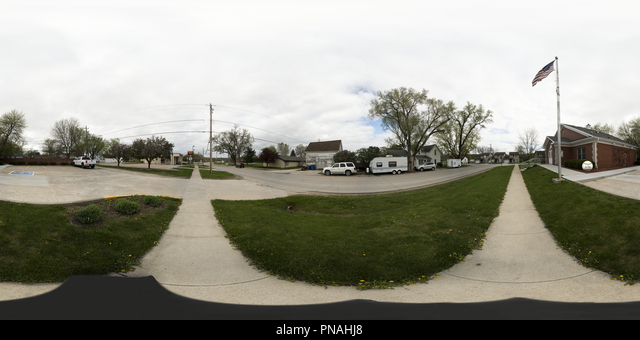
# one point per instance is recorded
(559, 131)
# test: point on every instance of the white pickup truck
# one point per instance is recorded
(84, 162)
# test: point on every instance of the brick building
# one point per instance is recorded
(604, 150)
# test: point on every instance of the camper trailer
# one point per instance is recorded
(454, 163)
(389, 164)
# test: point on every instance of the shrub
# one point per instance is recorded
(89, 214)
(153, 201)
(20, 163)
(575, 163)
(52, 163)
(43, 163)
(64, 163)
(125, 206)
(32, 163)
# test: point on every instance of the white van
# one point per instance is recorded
(389, 164)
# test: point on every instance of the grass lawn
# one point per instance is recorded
(46, 243)
(369, 241)
(183, 172)
(600, 230)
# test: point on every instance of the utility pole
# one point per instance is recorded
(210, 136)
(87, 139)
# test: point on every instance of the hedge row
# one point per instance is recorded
(576, 163)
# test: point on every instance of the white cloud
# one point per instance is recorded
(305, 71)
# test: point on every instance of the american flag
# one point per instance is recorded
(543, 73)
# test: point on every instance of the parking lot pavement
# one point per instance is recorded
(625, 185)
(68, 184)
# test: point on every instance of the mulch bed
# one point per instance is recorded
(108, 212)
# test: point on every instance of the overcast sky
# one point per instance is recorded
(303, 71)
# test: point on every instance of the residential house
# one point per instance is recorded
(604, 150)
(321, 154)
(428, 153)
(286, 162)
(514, 157)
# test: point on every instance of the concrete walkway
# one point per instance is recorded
(519, 259)
(577, 176)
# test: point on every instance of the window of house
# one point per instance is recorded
(392, 164)
(582, 153)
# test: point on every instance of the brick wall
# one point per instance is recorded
(37, 159)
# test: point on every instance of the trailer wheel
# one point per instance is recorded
(399, 172)
(393, 172)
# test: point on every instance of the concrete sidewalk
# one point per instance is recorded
(577, 176)
(519, 259)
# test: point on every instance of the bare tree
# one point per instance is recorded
(68, 135)
(529, 142)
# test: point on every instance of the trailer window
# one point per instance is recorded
(393, 164)
(379, 165)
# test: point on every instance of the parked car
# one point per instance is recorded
(425, 166)
(84, 162)
(346, 168)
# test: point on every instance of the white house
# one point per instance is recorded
(321, 154)
(428, 153)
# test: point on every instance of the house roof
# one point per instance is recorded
(291, 158)
(428, 148)
(397, 153)
(587, 133)
(332, 145)
(595, 133)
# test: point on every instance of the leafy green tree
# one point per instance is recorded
(461, 133)
(411, 117)
(630, 131)
(233, 142)
(249, 155)
(118, 150)
(283, 149)
(300, 150)
(366, 155)
(344, 156)
(12, 125)
(151, 148)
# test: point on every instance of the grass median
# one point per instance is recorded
(46, 243)
(598, 229)
(182, 172)
(369, 241)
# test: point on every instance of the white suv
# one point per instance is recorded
(346, 168)
(425, 166)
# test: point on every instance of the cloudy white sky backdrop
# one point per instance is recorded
(303, 71)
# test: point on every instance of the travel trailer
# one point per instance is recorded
(389, 164)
